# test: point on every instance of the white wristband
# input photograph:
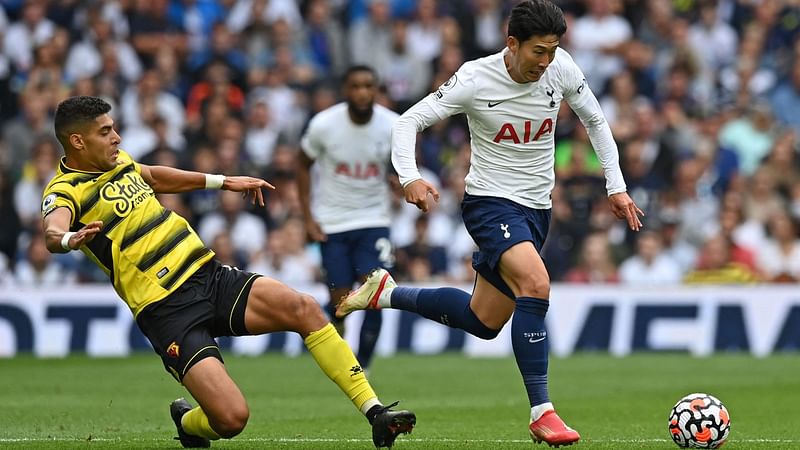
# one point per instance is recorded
(65, 240)
(214, 181)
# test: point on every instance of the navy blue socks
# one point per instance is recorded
(529, 340)
(446, 305)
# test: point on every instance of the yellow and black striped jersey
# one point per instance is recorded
(146, 249)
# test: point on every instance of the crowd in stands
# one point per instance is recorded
(703, 98)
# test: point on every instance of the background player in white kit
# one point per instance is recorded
(350, 144)
(511, 100)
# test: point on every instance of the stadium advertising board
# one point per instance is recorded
(758, 319)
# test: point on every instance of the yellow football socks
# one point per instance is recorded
(336, 359)
(195, 422)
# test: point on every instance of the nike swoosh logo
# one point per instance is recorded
(533, 341)
(493, 104)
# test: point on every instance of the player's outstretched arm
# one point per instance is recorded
(168, 180)
(623, 207)
(59, 239)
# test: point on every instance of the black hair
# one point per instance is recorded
(358, 68)
(76, 111)
(536, 18)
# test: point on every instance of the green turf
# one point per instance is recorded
(461, 403)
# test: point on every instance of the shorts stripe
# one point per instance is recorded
(189, 363)
(236, 302)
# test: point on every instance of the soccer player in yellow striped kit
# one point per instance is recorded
(103, 203)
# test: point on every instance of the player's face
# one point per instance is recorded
(527, 61)
(360, 90)
(101, 144)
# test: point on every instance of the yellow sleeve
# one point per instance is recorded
(59, 195)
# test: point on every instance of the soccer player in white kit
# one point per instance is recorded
(349, 215)
(511, 100)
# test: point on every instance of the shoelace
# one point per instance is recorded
(383, 409)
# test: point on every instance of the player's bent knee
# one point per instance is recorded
(535, 285)
(232, 422)
(307, 316)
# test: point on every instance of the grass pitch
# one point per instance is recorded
(461, 403)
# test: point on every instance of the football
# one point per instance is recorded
(699, 421)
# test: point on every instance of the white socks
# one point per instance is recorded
(385, 299)
(538, 410)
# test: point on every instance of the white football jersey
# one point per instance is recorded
(512, 128)
(350, 190)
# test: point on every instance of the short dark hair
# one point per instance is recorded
(536, 18)
(76, 111)
(358, 68)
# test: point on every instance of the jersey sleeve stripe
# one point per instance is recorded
(146, 228)
(152, 257)
(195, 256)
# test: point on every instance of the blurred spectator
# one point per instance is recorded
(420, 248)
(173, 79)
(714, 40)
(644, 185)
(261, 135)
(575, 157)
(30, 31)
(28, 191)
(85, 59)
(197, 18)
(285, 256)
(596, 41)
(222, 49)
(149, 89)
(272, 87)
(698, 207)
(151, 28)
(217, 83)
(9, 227)
(326, 38)
(245, 12)
(778, 259)
(650, 265)
(785, 99)
(761, 200)
(39, 269)
(20, 133)
(675, 246)
(370, 38)
(226, 253)
(594, 264)
(406, 75)
(716, 266)
(782, 164)
(564, 237)
(424, 32)
(640, 60)
(46, 77)
(481, 27)
(749, 76)
(247, 231)
(619, 105)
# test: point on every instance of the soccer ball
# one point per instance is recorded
(699, 421)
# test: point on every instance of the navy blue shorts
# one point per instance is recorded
(497, 224)
(349, 255)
